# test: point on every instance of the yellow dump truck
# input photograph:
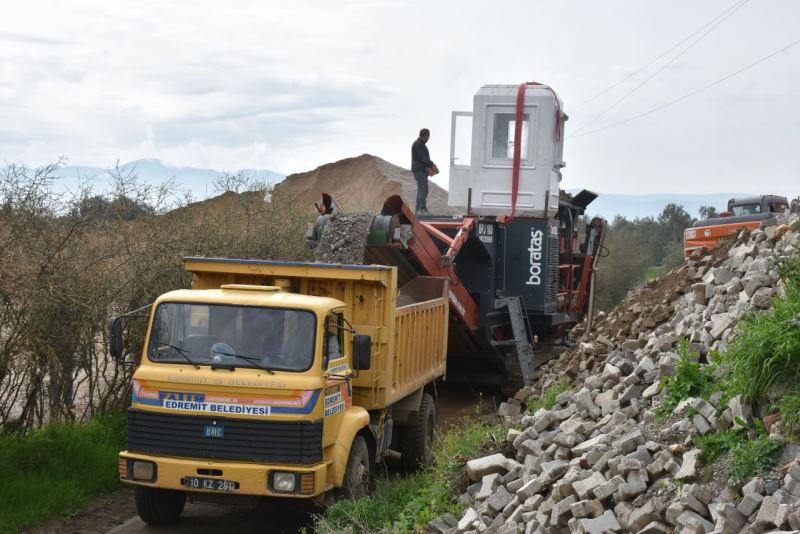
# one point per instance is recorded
(281, 379)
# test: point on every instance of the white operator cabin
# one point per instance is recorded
(482, 153)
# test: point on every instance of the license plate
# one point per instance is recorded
(212, 484)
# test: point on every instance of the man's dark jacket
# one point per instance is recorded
(420, 157)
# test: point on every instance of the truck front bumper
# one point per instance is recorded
(248, 478)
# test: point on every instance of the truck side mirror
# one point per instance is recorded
(115, 338)
(362, 352)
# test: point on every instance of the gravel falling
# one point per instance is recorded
(344, 239)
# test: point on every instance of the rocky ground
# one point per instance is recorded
(600, 460)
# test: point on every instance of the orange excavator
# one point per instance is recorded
(741, 213)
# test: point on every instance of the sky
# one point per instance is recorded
(290, 85)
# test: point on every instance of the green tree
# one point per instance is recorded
(629, 254)
(634, 246)
(102, 208)
(707, 212)
(674, 220)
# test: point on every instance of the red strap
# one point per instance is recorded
(518, 141)
(517, 148)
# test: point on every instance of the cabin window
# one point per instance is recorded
(334, 338)
(778, 207)
(503, 136)
(746, 209)
(237, 336)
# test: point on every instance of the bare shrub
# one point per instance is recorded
(69, 261)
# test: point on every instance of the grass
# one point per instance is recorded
(691, 379)
(55, 470)
(548, 397)
(407, 504)
(717, 444)
(653, 272)
(789, 407)
(749, 454)
(765, 355)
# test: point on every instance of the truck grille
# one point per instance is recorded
(295, 442)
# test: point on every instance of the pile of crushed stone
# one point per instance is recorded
(344, 239)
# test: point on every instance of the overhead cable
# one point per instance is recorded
(658, 71)
(690, 94)
(735, 5)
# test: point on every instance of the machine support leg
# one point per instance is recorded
(522, 343)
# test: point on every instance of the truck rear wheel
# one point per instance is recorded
(158, 506)
(416, 440)
(357, 480)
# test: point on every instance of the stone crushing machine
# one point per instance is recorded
(519, 272)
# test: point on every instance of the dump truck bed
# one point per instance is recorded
(408, 325)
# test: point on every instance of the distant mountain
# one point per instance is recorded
(199, 181)
(650, 205)
(201, 184)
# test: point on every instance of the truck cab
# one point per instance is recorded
(276, 379)
(757, 205)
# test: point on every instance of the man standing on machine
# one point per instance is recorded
(422, 167)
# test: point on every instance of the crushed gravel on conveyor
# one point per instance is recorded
(344, 239)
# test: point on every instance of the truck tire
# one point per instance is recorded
(416, 440)
(357, 480)
(158, 506)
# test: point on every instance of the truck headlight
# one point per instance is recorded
(283, 482)
(143, 470)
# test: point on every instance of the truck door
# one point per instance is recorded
(337, 395)
(460, 158)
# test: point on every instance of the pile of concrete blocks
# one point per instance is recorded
(701, 301)
(600, 462)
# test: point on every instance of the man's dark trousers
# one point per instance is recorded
(422, 190)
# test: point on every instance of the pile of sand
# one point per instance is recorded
(361, 183)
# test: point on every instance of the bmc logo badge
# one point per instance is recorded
(535, 250)
(214, 431)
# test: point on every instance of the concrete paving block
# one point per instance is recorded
(584, 488)
(601, 525)
(480, 467)
(498, 500)
(767, 513)
(628, 490)
(689, 466)
(693, 520)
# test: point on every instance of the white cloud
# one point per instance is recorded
(290, 85)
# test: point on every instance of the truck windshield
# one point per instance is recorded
(746, 209)
(212, 334)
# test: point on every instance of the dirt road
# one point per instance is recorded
(202, 518)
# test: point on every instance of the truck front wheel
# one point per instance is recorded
(416, 441)
(358, 473)
(158, 506)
